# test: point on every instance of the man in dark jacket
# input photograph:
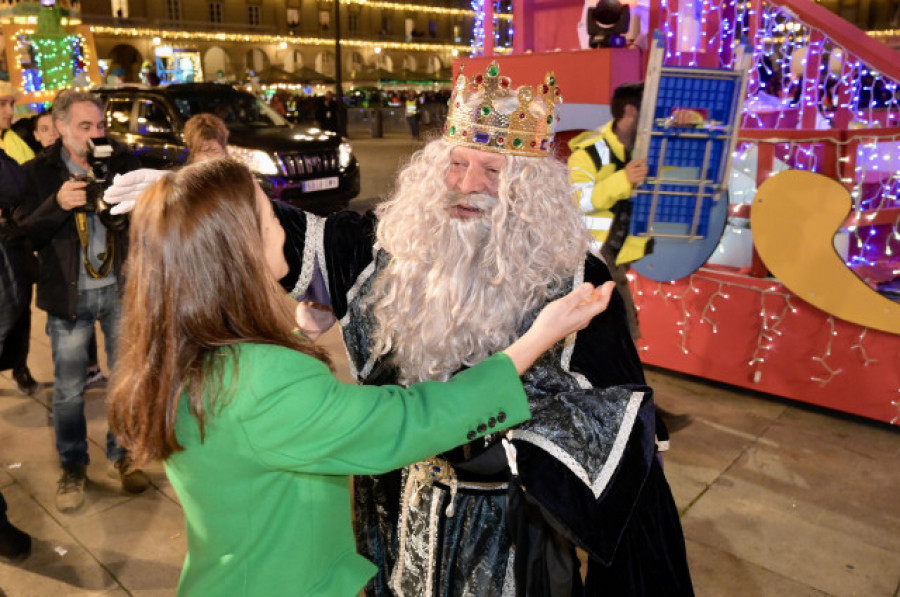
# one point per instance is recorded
(81, 249)
(15, 283)
(14, 354)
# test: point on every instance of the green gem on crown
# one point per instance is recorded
(452, 130)
(517, 143)
(493, 71)
(552, 80)
(550, 119)
(485, 110)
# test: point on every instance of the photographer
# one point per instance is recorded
(81, 249)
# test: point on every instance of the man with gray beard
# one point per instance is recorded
(481, 232)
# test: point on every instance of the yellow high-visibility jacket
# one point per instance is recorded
(15, 146)
(598, 190)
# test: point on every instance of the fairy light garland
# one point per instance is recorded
(773, 320)
(801, 78)
(50, 64)
(823, 360)
(867, 360)
(168, 35)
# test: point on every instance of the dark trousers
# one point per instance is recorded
(14, 347)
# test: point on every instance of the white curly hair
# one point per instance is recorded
(457, 291)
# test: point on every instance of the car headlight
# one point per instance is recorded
(345, 154)
(258, 161)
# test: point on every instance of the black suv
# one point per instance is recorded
(312, 169)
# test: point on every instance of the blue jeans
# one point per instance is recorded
(69, 342)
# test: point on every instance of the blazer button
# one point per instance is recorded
(482, 428)
(501, 416)
(492, 422)
(471, 435)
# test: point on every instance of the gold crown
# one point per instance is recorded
(484, 127)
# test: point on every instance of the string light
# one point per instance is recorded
(422, 8)
(49, 63)
(862, 349)
(207, 36)
(823, 360)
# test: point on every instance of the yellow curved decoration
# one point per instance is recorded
(794, 218)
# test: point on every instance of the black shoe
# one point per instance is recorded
(15, 545)
(27, 384)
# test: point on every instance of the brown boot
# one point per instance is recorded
(70, 488)
(134, 480)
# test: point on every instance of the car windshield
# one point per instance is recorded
(236, 109)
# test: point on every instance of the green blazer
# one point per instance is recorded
(266, 495)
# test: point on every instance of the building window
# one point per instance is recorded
(293, 18)
(253, 14)
(119, 8)
(324, 20)
(432, 28)
(385, 24)
(173, 10)
(353, 22)
(457, 33)
(215, 12)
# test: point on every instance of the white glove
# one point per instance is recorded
(126, 188)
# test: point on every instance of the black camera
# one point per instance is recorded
(97, 179)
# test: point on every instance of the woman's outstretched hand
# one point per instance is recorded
(557, 320)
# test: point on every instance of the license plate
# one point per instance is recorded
(320, 184)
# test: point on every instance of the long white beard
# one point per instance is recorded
(449, 305)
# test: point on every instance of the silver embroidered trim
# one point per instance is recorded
(345, 320)
(313, 245)
(569, 349)
(433, 518)
(397, 574)
(509, 580)
(320, 252)
(615, 455)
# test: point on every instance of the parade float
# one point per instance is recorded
(47, 49)
(793, 288)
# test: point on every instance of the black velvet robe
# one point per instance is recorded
(587, 474)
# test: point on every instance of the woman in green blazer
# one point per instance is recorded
(257, 435)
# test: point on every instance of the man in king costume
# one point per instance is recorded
(481, 232)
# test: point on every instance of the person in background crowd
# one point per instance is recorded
(45, 133)
(205, 136)
(602, 171)
(412, 114)
(257, 435)
(604, 174)
(81, 249)
(148, 75)
(16, 281)
(18, 338)
(44, 129)
(327, 113)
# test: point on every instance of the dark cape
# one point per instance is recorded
(503, 514)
